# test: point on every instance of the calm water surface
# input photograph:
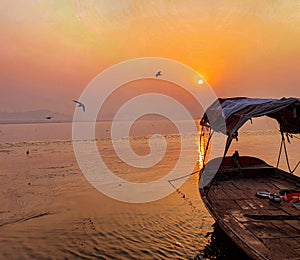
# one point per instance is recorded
(79, 222)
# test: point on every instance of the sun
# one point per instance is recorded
(200, 81)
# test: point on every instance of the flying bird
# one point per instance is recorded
(80, 105)
(158, 74)
(48, 117)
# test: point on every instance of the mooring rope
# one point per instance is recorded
(190, 174)
(182, 195)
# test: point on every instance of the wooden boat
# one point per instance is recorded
(254, 221)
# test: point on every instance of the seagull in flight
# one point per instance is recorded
(158, 74)
(80, 105)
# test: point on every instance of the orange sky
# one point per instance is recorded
(50, 50)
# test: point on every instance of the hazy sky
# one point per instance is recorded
(50, 50)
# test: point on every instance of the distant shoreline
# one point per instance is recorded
(69, 121)
(32, 122)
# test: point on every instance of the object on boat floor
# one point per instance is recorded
(262, 194)
(296, 205)
(268, 195)
(287, 191)
(294, 197)
(274, 198)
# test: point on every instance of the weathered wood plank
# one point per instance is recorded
(245, 239)
(245, 216)
(266, 204)
(288, 207)
(295, 224)
(226, 205)
(287, 248)
(266, 229)
(243, 205)
(288, 229)
(219, 194)
(247, 204)
(232, 191)
(260, 184)
(252, 203)
(243, 189)
(282, 183)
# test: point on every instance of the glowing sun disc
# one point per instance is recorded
(200, 81)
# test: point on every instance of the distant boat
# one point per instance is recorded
(255, 204)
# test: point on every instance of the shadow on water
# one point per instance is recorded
(220, 247)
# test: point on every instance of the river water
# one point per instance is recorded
(49, 209)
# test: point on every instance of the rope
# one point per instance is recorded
(280, 149)
(190, 174)
(182, 195)
(294, 136)
(287, 159)
(193, 207)
(286, 155)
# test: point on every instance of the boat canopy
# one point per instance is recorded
(228, 115)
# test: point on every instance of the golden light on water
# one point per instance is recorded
(201, 147)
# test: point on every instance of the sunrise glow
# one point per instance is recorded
(50, 50)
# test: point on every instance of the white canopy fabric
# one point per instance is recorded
(231, 106)
(235, 112)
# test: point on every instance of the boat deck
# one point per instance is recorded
(263, 229)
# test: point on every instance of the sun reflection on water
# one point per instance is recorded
(202, 143)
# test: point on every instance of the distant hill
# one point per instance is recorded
(37, 116)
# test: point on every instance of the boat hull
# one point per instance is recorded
(263, 229)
